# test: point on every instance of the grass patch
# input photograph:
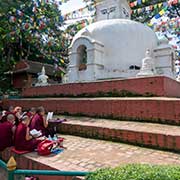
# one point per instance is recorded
(137, 172)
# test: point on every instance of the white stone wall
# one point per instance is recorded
(165, 60)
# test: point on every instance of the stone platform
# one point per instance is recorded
(157, 86)
(155, 109)
(144, 134)
(126, 121)
(83, 154)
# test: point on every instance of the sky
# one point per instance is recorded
(71, 6)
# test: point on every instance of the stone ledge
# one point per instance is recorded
(163, 110)
(158, 86)
(144, 134)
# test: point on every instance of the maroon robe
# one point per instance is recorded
(6, 135)
(29, 114)
(4, 118)
(20, 141)
(37, 123)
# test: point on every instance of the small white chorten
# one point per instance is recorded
(148, 67)
(42, 78)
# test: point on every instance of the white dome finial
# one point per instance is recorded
(43, 72)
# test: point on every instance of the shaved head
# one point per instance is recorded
(11, 118)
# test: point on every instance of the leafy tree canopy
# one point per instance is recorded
(31, 30)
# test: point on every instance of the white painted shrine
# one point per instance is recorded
(115, 46)
(42, 78)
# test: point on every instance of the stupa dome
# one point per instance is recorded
(125, 41)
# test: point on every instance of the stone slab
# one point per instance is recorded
(158, 86)
(144, 134)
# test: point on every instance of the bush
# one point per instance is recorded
(137, 172)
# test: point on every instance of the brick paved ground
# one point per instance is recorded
(88, 155)
(3, 174)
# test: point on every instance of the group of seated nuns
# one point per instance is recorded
(15, 127)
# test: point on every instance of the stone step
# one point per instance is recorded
(155, 109)
(83, 154)
(159, 136)
(144, 86)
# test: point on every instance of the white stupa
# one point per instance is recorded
(42, 78)
(112, 47)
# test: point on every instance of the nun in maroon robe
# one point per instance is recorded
(23, 140)
(39, 122)
(6, 132)
(4, 118)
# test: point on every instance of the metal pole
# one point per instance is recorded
(3, 164)
(11, 169)
(11, 166)
(10, 175)
(50, 172)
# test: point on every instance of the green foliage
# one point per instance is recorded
(5, 5)
(30, 30)
(137, 172)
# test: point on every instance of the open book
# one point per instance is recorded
(49, 116)
(35, 133)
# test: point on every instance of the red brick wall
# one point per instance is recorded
(160, 86)
(166, 110)
(171, 88)
(19, 80)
